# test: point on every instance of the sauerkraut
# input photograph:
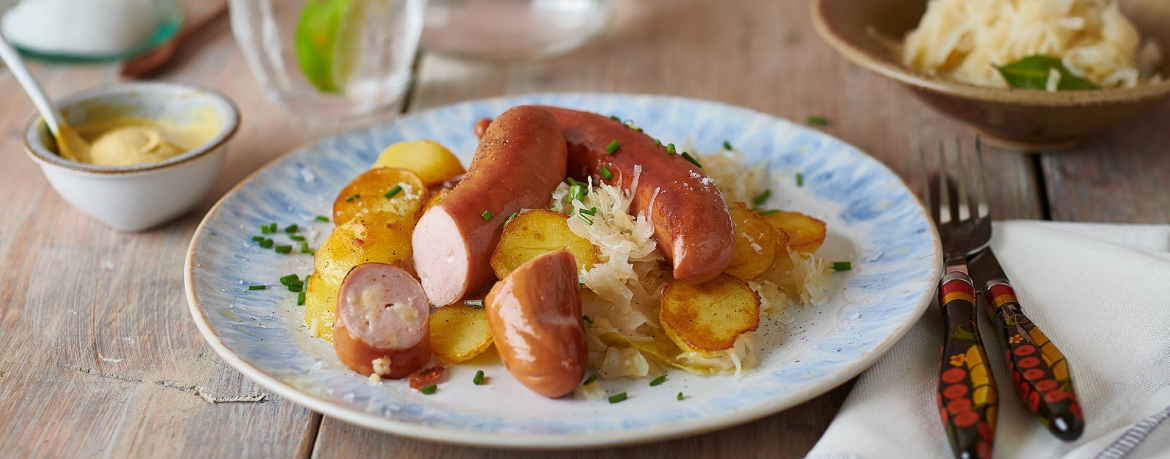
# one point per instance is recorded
(966, 40)
(623, 288)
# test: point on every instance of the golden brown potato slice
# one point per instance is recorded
(755, 243)
(459, 333)
(709, 317)
(534, 232)
(433, 163)
(377, 236)
(805, 234)
(368, 193)
(320, 305)
(434, 199)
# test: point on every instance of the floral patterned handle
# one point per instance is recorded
(966, 390)
(1039, 370)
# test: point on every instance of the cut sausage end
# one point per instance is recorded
(383, 322)
(442, 258)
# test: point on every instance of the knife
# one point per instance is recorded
(1039, 370)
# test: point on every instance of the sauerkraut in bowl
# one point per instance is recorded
(622, 290)
(1040, 44)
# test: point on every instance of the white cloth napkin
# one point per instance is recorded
(1100, 292)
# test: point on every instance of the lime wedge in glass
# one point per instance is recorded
(328, 42)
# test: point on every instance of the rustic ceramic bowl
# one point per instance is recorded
(138, 197)
(1027, 120)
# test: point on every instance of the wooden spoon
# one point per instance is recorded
(152, 61)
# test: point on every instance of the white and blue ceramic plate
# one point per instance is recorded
(873, 220)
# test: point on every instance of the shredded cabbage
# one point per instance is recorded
(623, 288)
(967, 39)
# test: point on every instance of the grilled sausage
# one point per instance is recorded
(691, 223)
(383, 322)
(535, 317)
(519, 161)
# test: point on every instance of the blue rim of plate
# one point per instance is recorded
(869, 179)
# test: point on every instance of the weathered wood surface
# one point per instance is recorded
(75, 297)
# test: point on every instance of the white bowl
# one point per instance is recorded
(138, 197)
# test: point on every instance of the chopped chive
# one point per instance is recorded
(264, 229)
(615, 118)
(618, 397)
(589, 211)
(291, 229)
(510, 217)
(429, 389)
(296, 237)
(842, 265)
(478, 379)
(657, 143)
(322, 218)
(670, 149)
(351, 198)
(393, 191)
(283, 249)
(305, 247)
(487, 215)
(257, 287)
(590, 379)
(612, 147)
(818, 121)
(272, 227)
(473, 304)
(266, 243)
(727, 145)
(296, 288)
(630, 124)
(767, 212)
(606, 174)
(285, 280)
(658, 381)
(688, 157)
(680, 396)
(799, 179)
(583, 217)
(301, 299)
(307, 276)
(587, 319)
(762, 198)
(258, 238)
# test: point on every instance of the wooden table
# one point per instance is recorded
(99, 356)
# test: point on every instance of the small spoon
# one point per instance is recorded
(154, 60)
(70, 145)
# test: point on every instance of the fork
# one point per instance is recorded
(967, 398)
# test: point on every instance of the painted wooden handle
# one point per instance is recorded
(966, 389)
(1039, 370)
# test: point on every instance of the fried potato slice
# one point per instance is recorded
(434, 199)
(534, 232)
(805, 234)
(368, 193)
(433, 162)
(320, 307)
(754, 248)
(373, 237)
(709, 317)
(459, 333)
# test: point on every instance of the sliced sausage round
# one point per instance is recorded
(383, 322)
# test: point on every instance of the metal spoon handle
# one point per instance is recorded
(48, 111)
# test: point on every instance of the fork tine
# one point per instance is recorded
(981, 206)
(926, 201)
(962, 200)
(946, 212)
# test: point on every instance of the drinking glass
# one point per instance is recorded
(330, 57)
(513, 29)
